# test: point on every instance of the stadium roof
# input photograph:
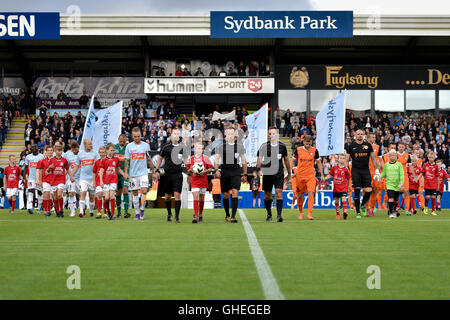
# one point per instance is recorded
(198, 25)
(111, 45)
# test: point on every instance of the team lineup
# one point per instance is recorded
(101, 179)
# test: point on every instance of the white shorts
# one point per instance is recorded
(201, 190)
(86, 186)
(137, 183)
(110, 187)
(98, 189)
(31, 184)
(11, 192)
(72, 186)
(58, 186)
(46, 187)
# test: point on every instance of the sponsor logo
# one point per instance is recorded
(255, 84)
(299, 78)
(89, 162)
(33, 165)
(333, 79)
(138, 156)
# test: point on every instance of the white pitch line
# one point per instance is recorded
(268, 281)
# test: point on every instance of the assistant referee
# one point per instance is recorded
(360, 151)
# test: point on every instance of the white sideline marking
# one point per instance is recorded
(268, 281)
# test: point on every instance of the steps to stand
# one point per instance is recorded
(14, 142)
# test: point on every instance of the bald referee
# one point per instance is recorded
(360, 151)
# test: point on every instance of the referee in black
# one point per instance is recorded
(270, 160)
(173, 154)
(360, 151)
(228, 154)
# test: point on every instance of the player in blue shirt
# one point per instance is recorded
(137, 157)
(87, 160)
(73, 178)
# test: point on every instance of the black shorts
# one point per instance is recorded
(276, 180)
(361, 178)
(173, 182)
(430, 192)
(339, 194)
(229, 182)
(413, 192)
(393, 194)
(255, 194)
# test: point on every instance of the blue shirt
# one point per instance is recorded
(87, 160)
(31, 161)
(73, 160)
(137, 154)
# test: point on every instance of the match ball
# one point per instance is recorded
(198, 168)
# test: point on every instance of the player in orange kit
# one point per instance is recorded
(376, 185)
(405, 160)
(306, 157)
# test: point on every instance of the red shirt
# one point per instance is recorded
(43, 165)
(199, 181)
(431, 172)
(96, 170)
(340, 178)
(442, 176)
(12, 175)
(110, 166)
(414, 172)
(60, 165)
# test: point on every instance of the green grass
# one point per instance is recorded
(153, 259)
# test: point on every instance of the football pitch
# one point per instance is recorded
(153, 259)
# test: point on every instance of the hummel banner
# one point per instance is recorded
(199, 85)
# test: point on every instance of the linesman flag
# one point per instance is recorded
(330, 124)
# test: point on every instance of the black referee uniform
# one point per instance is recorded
(230, 177)
(273, 173)
(173, 156)
(361, 178)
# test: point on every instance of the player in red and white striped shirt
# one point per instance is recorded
(341, 176)
(44, 179)
(430, 173)
(108, 179)
(199, 182)
(441, 182)
(97, 186)
(12, 175)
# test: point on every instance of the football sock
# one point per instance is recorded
(407, 203)
(433, 204)
(196, 208)
(202, 205)
(438, 201)
(300, 203)
(234, 205)
(226, 206)
(336, 205)
(169, 207)
(126, 202)
(177, 209)
(391, 207)
(357, 200)
(30, 200)
(13, 205)
(421, 201)
(412, 203)
(268, 205)
(106, 206)
(91, 206)
(82, 205)
(344, 206)
(119, 203)
(279, 207)
(136, 204)
(426, 202)
(112, 205)
(310, 204)
(72, 204)
(57, 209)
(366, 198)
(379, 200)
(61, 204)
